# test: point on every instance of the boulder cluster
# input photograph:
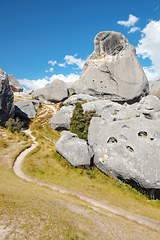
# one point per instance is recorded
(123, 142)
(124, 139)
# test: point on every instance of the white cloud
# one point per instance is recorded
(72, 77)
(71, 60)
(34, 84)
(39, 83)
(62, 65)
(51, 70)
(152, 73)
(52, 62)
(134, 29)
(46, 71)
(149, 47)
(131, 21)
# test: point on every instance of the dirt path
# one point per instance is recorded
(93, 201)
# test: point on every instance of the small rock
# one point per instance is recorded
(75, 150)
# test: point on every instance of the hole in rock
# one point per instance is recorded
(147, 115)
(130, 148)
(112, 140)
(151, 139)
(142, 134)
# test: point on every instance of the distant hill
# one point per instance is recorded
(154, 85)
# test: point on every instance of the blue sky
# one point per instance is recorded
(46, 39)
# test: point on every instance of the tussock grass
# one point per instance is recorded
(46, 164)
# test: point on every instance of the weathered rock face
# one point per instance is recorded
(6, 98)
(71, 87)
(61, 120)
(75, 150)
(27, 109)
(128, 149)
(14, 84)
(54, 92)
(113, 71)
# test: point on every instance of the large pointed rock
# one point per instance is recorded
(6, 98)
(113, 71)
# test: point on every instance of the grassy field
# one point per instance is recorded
(45, 164)
(29, 211)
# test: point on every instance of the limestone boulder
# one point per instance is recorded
(61, 120)
(113, 71)
(14, 84)
(128, 150)
(79, 98)
(54, 92)
(27, 109)
(75, 150)
(6, 98)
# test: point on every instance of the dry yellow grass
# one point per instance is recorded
(29, 211)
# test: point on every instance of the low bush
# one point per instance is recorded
(80, 121)
(14, 125)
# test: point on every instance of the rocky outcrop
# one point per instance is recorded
(127, 149)
(14, 84)
(125, 140)
(27, 109)
(61, 120)
(75, 150)
(54, 92)
(79, 98)
(113, 71)
(6, 98)
(148, 107)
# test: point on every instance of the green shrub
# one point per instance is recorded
(14, 125)
(80, 121)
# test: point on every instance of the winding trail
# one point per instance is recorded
(95, 202)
